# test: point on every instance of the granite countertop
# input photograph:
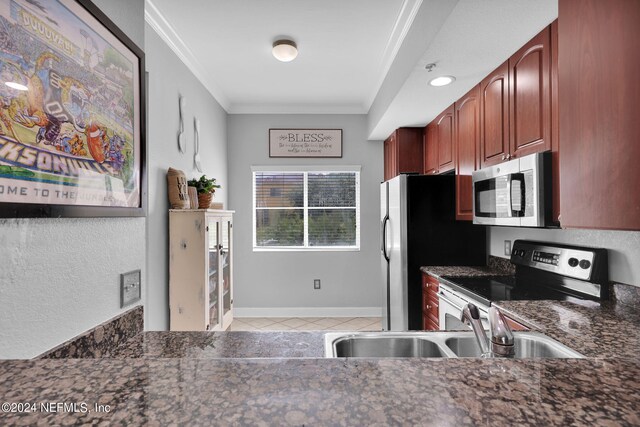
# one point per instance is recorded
(282, 378)
(443, 392)
(595, 329)
(212, 345)
(496, 267)
(460, 271)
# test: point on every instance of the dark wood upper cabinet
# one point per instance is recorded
(389, 158)
(446, 153)
(466, 136)
(555, 138)
(530, 97)
(515, 104)
(430, 149)
(439, 144)
(599, 90)
(403, 152)
(494, 117)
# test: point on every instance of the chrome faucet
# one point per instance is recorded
(501, 343)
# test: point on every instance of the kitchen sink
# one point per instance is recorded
(387, 346)
(527, 345)
(436, 344)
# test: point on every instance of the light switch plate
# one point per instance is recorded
(130, 288)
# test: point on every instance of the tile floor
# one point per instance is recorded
(306, 324)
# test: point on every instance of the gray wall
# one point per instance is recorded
(168, 78)
(624, 246)
(60, 277)
(281, 283)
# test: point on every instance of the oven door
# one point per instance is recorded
(450, 310)
(510, 193)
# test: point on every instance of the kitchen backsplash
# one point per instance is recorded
(101, 340)
(625, 294)
(502, 265)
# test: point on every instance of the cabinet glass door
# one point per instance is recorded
(214, 273)
(225, 254)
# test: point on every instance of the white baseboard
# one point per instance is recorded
(307, 311)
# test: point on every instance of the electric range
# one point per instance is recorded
(544, 271)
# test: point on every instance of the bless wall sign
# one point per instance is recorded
(305, 142)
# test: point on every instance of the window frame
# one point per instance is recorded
(305, 170)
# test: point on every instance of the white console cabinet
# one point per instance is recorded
(200, 269)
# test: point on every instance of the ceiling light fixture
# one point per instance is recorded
(17, 86)
(442, 81)
(285, 50)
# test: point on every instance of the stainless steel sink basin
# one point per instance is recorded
(386, 346)
(436, 344)
(527, 345)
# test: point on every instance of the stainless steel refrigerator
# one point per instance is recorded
(418, 228)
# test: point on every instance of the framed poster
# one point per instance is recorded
(305, 142)
(72, 110)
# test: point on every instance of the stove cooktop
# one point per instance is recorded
(508, 288)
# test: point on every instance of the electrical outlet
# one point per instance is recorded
(507, 247)
(316, 283)
(130, 288)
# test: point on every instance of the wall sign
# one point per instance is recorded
(72, 130)
(305, 142)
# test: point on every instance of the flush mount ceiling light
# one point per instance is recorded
(17, 86)
(442, 81)
(285, 50)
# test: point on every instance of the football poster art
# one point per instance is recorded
(69, 116)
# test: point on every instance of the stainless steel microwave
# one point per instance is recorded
(516, 193)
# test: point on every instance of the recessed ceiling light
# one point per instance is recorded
(285, 50)
(17, 86)
(442, 81)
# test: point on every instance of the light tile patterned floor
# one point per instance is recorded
(306, 324)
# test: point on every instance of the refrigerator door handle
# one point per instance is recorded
(385, 221)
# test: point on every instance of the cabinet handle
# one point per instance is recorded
(504, 157)
(428, 307)
(427, 285)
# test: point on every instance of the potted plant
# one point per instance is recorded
(205, 187)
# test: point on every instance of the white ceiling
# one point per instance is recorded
(355, 56)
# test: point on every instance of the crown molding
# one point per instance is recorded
(403, 23)
(166, 32)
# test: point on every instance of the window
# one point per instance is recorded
(306, 209)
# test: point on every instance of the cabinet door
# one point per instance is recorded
(214, 313)
(431, 149)
(226, 268)
(409, 142)
(555, 137)
(430, 302)
(467, 135)
(446, 154)
(599, 126)
(530, 97)
(494, 117)
(389, 158)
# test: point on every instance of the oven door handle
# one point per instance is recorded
(448, 301)
(456, 306)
